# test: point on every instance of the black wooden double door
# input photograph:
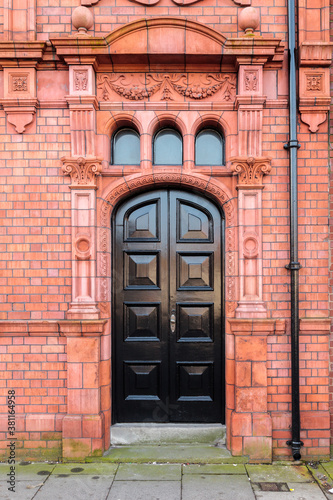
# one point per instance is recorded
(167, 304)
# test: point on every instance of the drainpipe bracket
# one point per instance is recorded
(292, 144)
(293, 266)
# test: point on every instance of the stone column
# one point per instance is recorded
(83, 203)
(250, 167)
(250, 173)
(83, 167)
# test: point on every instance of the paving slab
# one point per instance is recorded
(322, 477)
(86, 469)
(149, 472)
(214, 469)
(146, 490)
(279, 473)
(80, 487)
(328, 468)
(211, 487)
(24, 490)
(36, 471)
(297, 491)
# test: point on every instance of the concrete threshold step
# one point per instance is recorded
(192, 454)
(158, 434)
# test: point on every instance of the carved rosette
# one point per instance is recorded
(250, 170)
(83, 171)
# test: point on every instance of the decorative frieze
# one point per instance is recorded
(166, 87)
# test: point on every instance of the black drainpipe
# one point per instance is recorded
(294, 266)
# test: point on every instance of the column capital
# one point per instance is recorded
(250, 170)
(83, 171)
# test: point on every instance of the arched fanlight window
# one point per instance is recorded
(126, 147)
(168, 147)
(209, 148)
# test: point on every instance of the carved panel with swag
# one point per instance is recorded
(166, 86)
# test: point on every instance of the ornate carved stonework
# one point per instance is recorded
(80, 79)
(82, 171)
(166, 87)
(19, 83)
(313, 83)
(250, 170)
(251, 81)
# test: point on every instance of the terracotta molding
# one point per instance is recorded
(315, 53)
(250, 170)
(144, 39)
(82, 328)
(264, 327)
(28, 53)
(82, 102)
(314, 326)
(52, 328)
(82, 171)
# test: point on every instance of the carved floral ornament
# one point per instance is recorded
(137, 87)
(89, 3)
(250, 170)
(82, 171)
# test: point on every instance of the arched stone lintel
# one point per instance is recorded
(120, 189)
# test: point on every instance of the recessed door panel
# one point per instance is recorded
(141, 322)
(168, 328)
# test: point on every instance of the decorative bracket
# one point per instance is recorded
(83, 171)
(20, 116)
(20, 101)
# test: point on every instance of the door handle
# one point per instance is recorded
(173, 322)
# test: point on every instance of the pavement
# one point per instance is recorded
(168, 481)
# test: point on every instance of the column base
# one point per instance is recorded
(251, 309)
(84, 310)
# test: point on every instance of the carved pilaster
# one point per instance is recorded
(250, 175)
(83, 173)
(315, 56)
(250, 102)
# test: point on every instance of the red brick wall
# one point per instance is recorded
(35, 367)
(331, 237)
(35, 258)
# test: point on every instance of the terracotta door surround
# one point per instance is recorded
(167, 308)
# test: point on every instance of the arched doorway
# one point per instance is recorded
(168, 309)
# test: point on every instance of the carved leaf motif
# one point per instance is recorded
(192, 86)
(251, 170)
(82, 172)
